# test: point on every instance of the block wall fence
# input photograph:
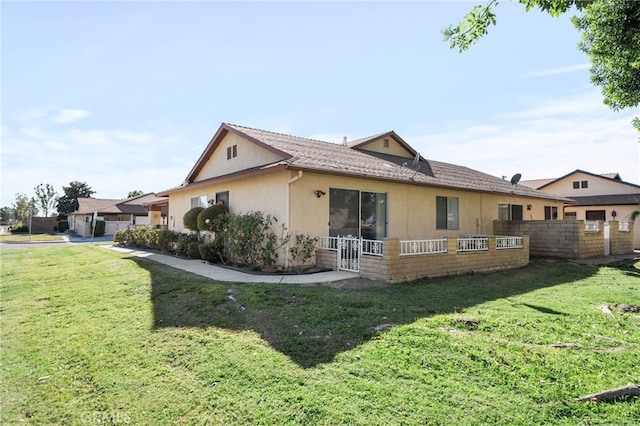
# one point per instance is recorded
(394, 268)
(568, 239)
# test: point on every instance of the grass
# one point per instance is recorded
(90, 336)
(22, 238)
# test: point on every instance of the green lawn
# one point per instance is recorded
(22, 238)
(90, 336)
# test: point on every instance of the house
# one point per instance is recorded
(594, 197)
(378, 188)
(117, 214)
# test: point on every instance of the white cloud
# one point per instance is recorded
(561, 70)
(111, 161)
(67, 116)
(546, 139)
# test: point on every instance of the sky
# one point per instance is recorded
(126, 95)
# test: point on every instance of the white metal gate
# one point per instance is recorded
(349, 251)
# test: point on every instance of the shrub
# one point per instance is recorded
(99, 228)
(22, 229)
(167, 240)
(209, 252)
(193, 250)
(63, 225)
(303, 250)
(183, 243)
(190, 218)
(213, 219)
(122, 237)
(252, 242)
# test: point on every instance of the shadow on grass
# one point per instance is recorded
(311, 324)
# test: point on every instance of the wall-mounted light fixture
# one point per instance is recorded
(614, 213)
(319, 193)
(529, 206)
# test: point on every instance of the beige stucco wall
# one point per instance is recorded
(249, 155)
(596, 186)
(394, 147)
(411, 211)
(266, 193)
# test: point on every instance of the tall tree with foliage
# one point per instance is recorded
(135, 193)
(610, 31)
(23, 206)
(68, 202)
(46, 198)
(7, 214)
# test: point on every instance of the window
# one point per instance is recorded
(357, 213)
(595, 215)
(576, 185)
(570, 216)
(200, 201)
(510, 212)
(222, 197)
(447, 213)
(550, 213)
(584, 184)
(232, 151)
(386, 143)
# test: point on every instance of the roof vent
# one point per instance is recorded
(344, 141)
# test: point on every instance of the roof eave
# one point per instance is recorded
(215, 142)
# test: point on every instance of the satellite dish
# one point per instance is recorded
(415, 165)
(514, 181)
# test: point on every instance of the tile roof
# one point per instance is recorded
(537, 183)
(102, 205)
(341, 159)
(608, 200)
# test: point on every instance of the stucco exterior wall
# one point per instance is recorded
(249, 155)
(266, 193)
(394, 147)
(411, 209)
(596, 186)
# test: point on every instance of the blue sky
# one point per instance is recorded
(126, 95)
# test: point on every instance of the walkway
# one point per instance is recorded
(208, 270)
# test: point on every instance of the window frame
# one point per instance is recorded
(447, 213)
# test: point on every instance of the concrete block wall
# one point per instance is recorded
(567, 239)
(409, 268)
(548, 238)
(393, 268)
(591, 243)
(621, 241)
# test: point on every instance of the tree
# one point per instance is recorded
(46, 198)
(22, 206)
(69, 201)
(135, 193)
(7, 214)
(610, 32)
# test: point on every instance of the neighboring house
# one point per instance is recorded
(376, 188)
(117, 214)
(594, 197)
(158, 208)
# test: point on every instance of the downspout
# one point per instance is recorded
(288, 208)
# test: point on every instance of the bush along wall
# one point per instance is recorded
(100, 228)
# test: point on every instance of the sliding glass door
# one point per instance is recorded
(357, 213)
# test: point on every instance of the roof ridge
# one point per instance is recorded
(280, 134)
